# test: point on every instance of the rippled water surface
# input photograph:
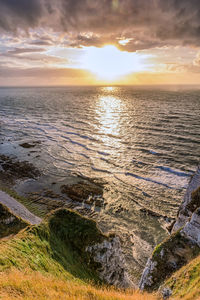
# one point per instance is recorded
(143, 143)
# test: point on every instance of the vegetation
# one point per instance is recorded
(185, 283)
(169, 256)
(55, 246)
(30, 285)
(48, 261)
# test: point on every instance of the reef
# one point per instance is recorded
(11, 170)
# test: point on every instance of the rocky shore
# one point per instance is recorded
(104, 252)
(12, 170)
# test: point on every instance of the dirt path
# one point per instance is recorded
(18, 209)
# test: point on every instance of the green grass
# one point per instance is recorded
(49, 261)
(177, 251)
(185, 283)
(56, 246)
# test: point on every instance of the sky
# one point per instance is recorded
(83, 42)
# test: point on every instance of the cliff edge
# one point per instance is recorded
(182, 246)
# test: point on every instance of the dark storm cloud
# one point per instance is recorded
(149, 23)
(20, 14)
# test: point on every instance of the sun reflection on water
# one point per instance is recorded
(109, 110)
(109, 89)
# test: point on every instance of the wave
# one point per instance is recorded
(60, 159)
(146, 194)
(84, 155)
(153, 152)
(76, 143)
(137, 162)
(101, 170)
(82, 136)
(169, 170)
(103, 153)
(148, 179)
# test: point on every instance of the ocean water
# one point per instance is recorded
(144, 143)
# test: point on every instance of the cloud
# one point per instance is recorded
(8, 72)
(30, 56)
(21, 14)
(24, 50)
(152, 23)
(40, 42)
(196, 61)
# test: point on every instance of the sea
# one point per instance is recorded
(143, 142)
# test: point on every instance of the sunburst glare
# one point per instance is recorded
(109, 63)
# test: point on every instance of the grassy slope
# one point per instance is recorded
(186, 281)
(49, 262)
(30, 285)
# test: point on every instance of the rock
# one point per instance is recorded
(166, 292)
(101, 254)
(50, 194)
(47, 199)
(84, 192)
(89, 201)
(112, 262)
(99, 202)
(146, 279)
(29, 145)
(9, 223)
(192, 228)
(186, 209)
(170, 226)
(175, 251)
(182, 245)
(151, 213)
(12, 169)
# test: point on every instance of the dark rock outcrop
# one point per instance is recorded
(12, 169)
(29, 145)
(87, 192)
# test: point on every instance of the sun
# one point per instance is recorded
(109, 63)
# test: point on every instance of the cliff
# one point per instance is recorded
(65, 232)
(188, 205)
(64, 257)
(182, 246)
